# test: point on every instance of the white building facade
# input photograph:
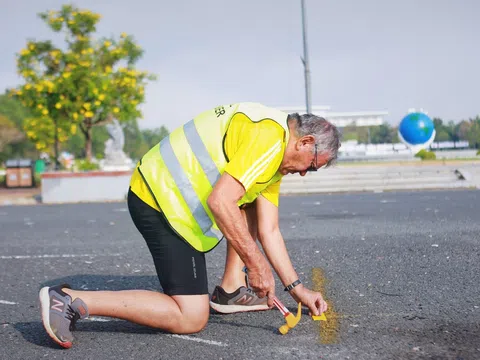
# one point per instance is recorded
(342, 119)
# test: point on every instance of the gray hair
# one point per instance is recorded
(327, 136)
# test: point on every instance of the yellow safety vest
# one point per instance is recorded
(182, 169)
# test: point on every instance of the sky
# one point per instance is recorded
(365, 55)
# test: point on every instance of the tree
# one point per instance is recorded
(353, 132)
(452, 130)
(154, 136)
(82, 84)
(135, 145)
(394, 134)
(441, 132)
(381, 134)
(464, 129)
(8, 133)
(473, 135)
(14, 111)
(76, 143)
(138, 142)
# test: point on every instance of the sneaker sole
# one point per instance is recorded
(45, 305)
(230, 309)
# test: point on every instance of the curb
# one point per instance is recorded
(18, 201)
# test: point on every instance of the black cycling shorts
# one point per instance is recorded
(180, 268)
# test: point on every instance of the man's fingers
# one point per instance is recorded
(261, 294)
(324, 306)
(321, 305)
(270, 297)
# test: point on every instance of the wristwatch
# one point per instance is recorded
(292, 285)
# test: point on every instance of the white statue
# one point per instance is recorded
(115, 158)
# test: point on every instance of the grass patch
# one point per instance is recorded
(426, 155)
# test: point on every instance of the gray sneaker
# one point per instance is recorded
(241, 300)
(59, 313)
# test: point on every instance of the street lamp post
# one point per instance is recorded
(305, 59)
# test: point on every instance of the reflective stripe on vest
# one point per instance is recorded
(183, 183)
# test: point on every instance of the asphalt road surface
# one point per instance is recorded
(400, 271)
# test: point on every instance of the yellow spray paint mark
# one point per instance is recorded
(328, 329)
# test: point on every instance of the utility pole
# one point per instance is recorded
(305, 59)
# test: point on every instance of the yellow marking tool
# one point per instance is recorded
(319, 317)
(292, 321)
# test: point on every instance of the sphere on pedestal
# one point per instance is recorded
(416, 129)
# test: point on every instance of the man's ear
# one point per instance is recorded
(307, 140)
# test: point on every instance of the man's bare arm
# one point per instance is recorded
(223, 204)
(272, 241)
(274, 247)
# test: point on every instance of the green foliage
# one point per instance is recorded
(349, 136)
(426, 155)
(441, 134)
(135, 145)
(76, 143)
(138, 142)
(352, 132)
(473, 135)
(15, 112)
(9, 133)
(468, 130)
(154, 136)
(381, 134)
(478, 152)
(82, 84)
(85, 165)
(37, 180)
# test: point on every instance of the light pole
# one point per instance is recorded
(305, 59)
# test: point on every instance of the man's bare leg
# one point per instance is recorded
(180, 314)
(234, 277)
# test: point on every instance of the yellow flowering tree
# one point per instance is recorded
(85, 83)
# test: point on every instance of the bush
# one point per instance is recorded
(85, 165)
(426, 155)
(37, 179)
(478, 152)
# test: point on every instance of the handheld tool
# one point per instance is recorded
(321, 317)
(291, 320)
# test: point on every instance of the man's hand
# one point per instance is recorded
(260, 279)
(311, 299)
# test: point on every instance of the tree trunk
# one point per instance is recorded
(88, 143)
(56, 147)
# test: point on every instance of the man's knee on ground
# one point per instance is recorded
(195, 310)
(191, 325)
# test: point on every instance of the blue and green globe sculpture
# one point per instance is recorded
(417, 131)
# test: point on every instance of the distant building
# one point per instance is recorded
(342, 119)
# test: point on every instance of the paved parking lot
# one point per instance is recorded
(399, 271)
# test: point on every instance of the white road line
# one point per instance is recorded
(99, 319)
(183, 337)
(47, 256)
(7, 302)
(209, 342)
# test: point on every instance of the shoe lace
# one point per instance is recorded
(73, 316)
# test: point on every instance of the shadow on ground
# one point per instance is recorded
(34, 332)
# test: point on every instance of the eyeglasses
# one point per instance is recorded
(314, 166)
